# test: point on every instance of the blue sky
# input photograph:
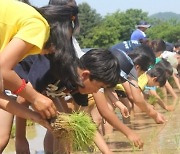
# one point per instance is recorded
(109, 6)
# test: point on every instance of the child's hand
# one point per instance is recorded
(169, 108)
(136, 140)
(124, 112)
(160, 119)
(123, 109)
(44, 106)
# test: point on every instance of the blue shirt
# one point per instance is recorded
(37, 70)
(137, 35)
(126, 46)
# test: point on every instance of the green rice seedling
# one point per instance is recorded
(172, 82)
(135, 149)
(152, 100)
(77, 129)
(160, 93)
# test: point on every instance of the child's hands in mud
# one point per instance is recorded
(169, 108)
(123, 109)
(160, 119)
(133, 137)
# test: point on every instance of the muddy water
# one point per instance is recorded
(158, 139)
(35, 135)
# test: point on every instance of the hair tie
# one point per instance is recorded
(73, 18)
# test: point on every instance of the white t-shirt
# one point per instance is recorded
(171, 58)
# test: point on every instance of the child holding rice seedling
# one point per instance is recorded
(90, 71)
(43, 30)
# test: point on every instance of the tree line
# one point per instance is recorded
(97, 31)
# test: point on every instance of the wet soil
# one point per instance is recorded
(158, 138)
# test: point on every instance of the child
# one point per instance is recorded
(29, 33)
(174, 59)
(142, 57)
(164, 64)
(100, 66)
(153, 77)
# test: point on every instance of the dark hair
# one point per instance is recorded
(157, 45)
(72, 3)
(159, 73)
(177, 44)
(169, 46)
(142, 56)
(68, 76)
(56, 2)
(63, 21)
(164, 64)
(146, 50)
(103, 66)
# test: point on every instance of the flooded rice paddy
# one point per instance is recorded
(158, 138)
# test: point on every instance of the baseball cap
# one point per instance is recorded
(126, 64)
(143, 24)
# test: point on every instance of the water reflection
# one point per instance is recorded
(35, 135)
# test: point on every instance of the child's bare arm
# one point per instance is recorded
(144, 106)
(111, 118)
(176, 81)
(11, 106)
(160, 101)
(101, 144)
(171, 90)
(112, 95)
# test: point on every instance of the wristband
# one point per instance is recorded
(21, 88)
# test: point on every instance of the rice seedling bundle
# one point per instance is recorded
(77, 129)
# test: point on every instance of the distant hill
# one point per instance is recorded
(166, 16)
